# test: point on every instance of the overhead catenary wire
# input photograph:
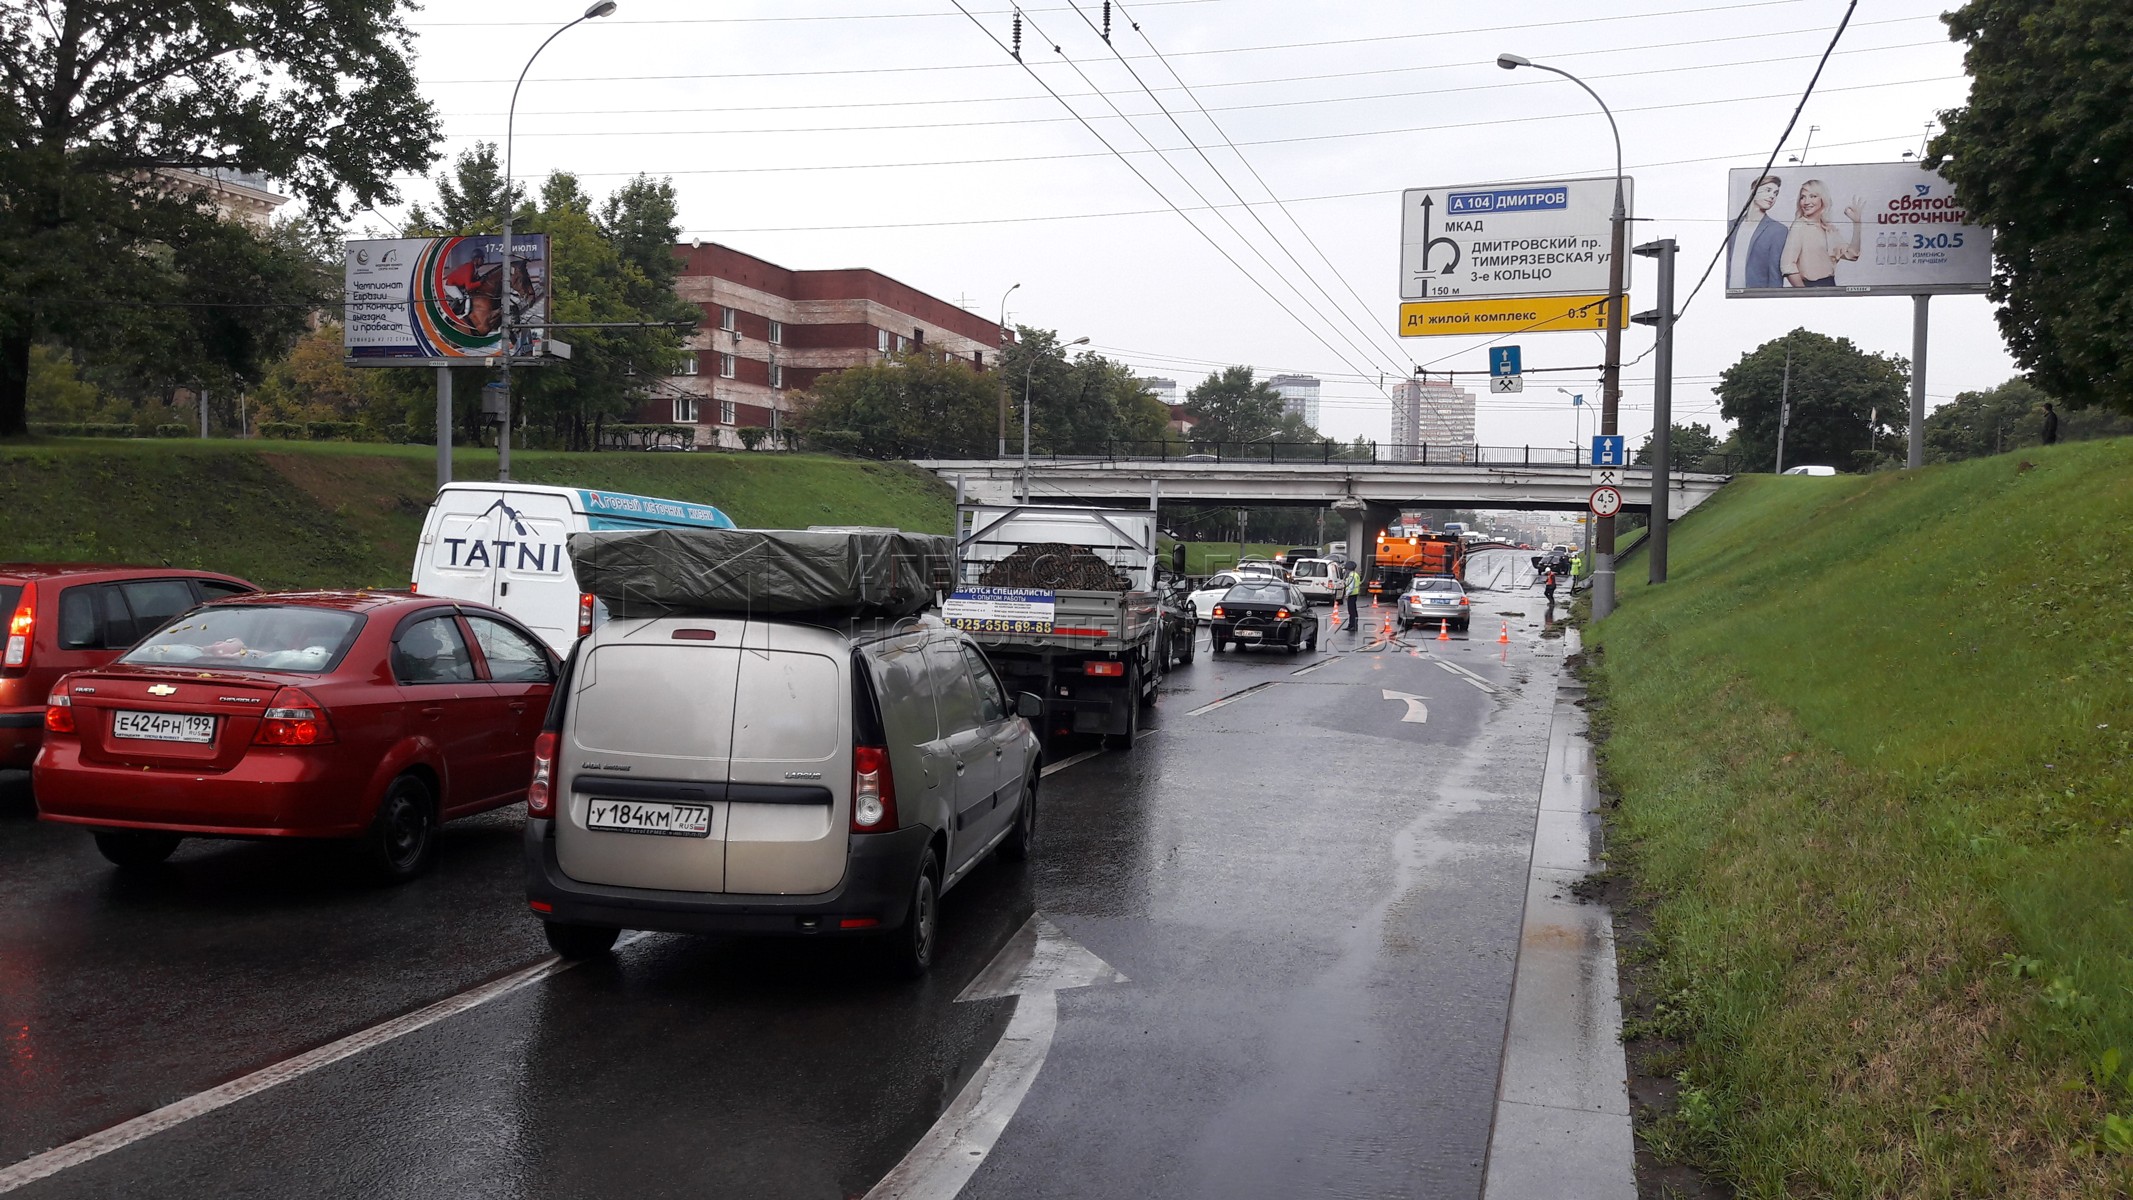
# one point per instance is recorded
(1150, 185)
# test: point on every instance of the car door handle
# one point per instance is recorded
(518, 706)
(959, 768)
(433, 712)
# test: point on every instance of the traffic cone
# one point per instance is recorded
(1444, 630)
(1505, 636)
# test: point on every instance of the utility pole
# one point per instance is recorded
(1784, 406)
(1661, 319)
(1000, 367)
(444, 426)
(1916, 457)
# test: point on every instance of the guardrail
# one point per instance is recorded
(1329, 452)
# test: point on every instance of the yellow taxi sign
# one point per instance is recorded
(1539, 314)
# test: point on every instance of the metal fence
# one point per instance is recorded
(1329, 452)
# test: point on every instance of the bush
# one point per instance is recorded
(644, 437)
(397, 434)
(332, 431)
(287, 431)
(752, 436)
(834, 441)
(84, 429)
(173, 430)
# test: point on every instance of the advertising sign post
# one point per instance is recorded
(1861, 229)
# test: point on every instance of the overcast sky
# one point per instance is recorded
(897, 135)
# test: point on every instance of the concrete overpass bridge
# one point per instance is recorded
(1369, 493)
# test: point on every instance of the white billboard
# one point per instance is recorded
(1889, 229)
(1508, 239)
(441, 297)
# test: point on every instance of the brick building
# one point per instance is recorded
(769, 332)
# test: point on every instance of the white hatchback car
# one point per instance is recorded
(1203, 599)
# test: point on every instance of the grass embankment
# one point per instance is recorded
(1873, 753)
(338, 515)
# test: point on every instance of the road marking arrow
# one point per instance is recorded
(1035, 965)
(1417, 711)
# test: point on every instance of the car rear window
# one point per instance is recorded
(252, 637)
(1258, 593)
(1313, 570)
(1436, 585)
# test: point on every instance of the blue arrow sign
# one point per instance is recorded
(1503, 360)
(1609, 449)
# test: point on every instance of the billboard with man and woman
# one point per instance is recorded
(1862, 229)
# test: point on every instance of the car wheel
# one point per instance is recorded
(1295, 644)
(402, 842)
(1312, 648)
(1016, 847)
(1192, 646)
(136, 849)
(579, 941)
(908, 951)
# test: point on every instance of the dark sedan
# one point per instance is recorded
(1263, 612)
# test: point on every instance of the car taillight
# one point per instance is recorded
(873, 791)
(19, 628)
(293, 718)
(1281, 614)
(540, 794)
(585, 613)
(1218, 610)
(1103, 668)
(59, 712)
(1464, 600)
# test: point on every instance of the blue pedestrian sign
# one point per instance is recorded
(1609, 450)
(1503, 360)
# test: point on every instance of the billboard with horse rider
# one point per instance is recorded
(442, 298)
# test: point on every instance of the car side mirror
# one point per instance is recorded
(1029, 704)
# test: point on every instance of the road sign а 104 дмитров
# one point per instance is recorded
(1529, 239)
(442, 298)
(1867, 229)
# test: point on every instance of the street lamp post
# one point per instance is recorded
(1577, 423)
(1603, 559)
(503, 439)
(1003, 374)
(1080, 341)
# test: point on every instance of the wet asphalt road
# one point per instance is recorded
(1316, 906)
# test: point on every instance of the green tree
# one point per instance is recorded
(2039, 154)
(1844, 401)
(1230, 407)
(915, 405)
(469, 197)
(101, 99)
(1979, 423)
(1688, 447)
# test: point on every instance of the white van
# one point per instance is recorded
(506, 544)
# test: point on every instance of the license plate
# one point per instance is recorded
(1245, 635)
(163, 727)
(661, 820)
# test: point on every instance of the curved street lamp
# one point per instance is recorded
(503, 439)
(1603, 568)
(1002, 326)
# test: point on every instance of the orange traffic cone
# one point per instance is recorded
(1444, 630)
(1505, 636)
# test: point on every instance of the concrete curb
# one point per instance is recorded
(1562, 1124)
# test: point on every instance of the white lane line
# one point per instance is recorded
(1033, 966)
(1232, 698)
(1314, 666)
(1069, 761)
(1469, 676)
(147, 1125)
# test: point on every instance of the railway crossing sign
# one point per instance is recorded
(1605, 502)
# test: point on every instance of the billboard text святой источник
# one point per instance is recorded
(1889, 229)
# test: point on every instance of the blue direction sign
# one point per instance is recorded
(1609, 450)
(1503, 360)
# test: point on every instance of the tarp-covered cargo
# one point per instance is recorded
(851, 572)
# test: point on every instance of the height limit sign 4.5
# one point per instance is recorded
(1605, 502)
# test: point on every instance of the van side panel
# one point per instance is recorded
(534, 580)
(925, 775)
(792, 722)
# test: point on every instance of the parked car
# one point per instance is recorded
(1264, 612)
(72, 616)
(1316, 578)
(1181, 630)
(370, 716)
(1432, 599)
(767, 776)
(1810, 470)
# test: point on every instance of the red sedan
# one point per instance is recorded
(370, 716)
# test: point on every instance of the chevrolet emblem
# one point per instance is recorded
(162, 689)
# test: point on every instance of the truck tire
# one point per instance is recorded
(1125, 740)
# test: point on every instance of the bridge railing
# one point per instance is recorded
(1433, 454)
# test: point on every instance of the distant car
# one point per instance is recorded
(1316, 578)
(369, 716)
(1202, 600)
(1198, 458)
(1262, 612)
(1432, 599)
(1810, 470)
(1261, 566)
(65, 617)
